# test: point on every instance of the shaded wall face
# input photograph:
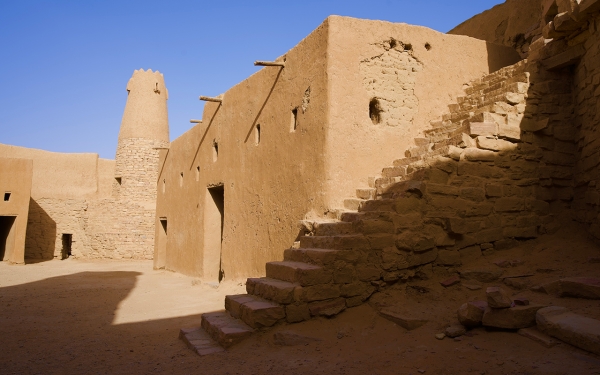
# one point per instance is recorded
(387, 85)
(587, 99)
(15, 190)
(271, 177)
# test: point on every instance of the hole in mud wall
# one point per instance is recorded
(215, 151)
(198, 173)
(408, 47)
(181, 179)
(119, 180)
(294, 121)
(257, 135)
(393, 43)
(67, 241)
(375, 111)
(7, 196)
(428, 46)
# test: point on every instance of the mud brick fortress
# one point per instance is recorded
(369, 154)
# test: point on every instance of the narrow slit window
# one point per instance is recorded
(7, 196)
(198, 173)
(164, 185)
(257, 134)
(294, 121)
(215, 150)
(181, 179)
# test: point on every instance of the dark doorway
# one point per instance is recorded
(6, 236)
(67, 240)
(161, 254)
(214, 209)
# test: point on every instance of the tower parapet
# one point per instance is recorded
(144, 128)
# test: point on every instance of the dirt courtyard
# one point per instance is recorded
(122, 317)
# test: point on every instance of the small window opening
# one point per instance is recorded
(7, 196)
(67, 241)
(257, 134)
(181, 179)
(294, 122)
(428, 46)
(375, 111)
(408, 47)
(215, 150)
(393, 43)
(119, 180)
(164, 185)
(163, 223)
(198, 173)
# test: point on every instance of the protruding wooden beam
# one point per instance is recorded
(209, 99)
(192, 121)
(270, 63)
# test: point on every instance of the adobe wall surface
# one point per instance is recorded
(62, 175)
(413, 72)
(267, 185)
(15, 179)
(514, 23)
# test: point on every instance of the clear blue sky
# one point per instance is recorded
(65, 63)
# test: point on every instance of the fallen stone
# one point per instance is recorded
(537, 336)
(512, 318)
(516, 283)
(580, 287)
(455, 330)
(289, 338)
(472, 286)
(440, 336)
(407, 322)
(470, 314)
(481, 275)
(571, 328)
(451, 281)
(497, 298)
(327, 308)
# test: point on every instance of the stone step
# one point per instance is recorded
(342, 214)
(253, 310)
(405, 161)
(199, 341)
(368, 193)
(347, 242)
(353, 203)
(393, 171)
(225, 329)
(331, 228)
(378, 182)
(320, 257)
(297, 272)
(272, 289)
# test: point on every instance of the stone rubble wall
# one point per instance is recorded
(137, 166)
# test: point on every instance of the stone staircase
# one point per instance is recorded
(430, 206)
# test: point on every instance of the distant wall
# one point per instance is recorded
(15, 190)
(514, 23)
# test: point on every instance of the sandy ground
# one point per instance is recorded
(117, 317)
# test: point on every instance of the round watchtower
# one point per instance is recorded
(144, 128)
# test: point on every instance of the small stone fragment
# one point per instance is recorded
(451, 281)
(497, 298)
(440, 336)
(455, 330)
(472, 286)
(407, 322)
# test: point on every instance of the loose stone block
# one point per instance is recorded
(470, 314)
(297, 312)
(497, 298)
(448, 258)
(483, 128)
(580, 287)
(476, 154)
(512, 318)
(403, 320)
(574, 329)
(327, 308)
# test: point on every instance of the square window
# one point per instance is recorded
(7, 196)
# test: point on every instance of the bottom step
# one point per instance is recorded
(199, 341)
(225, 329)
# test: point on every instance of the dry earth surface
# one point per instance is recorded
(121, 317)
